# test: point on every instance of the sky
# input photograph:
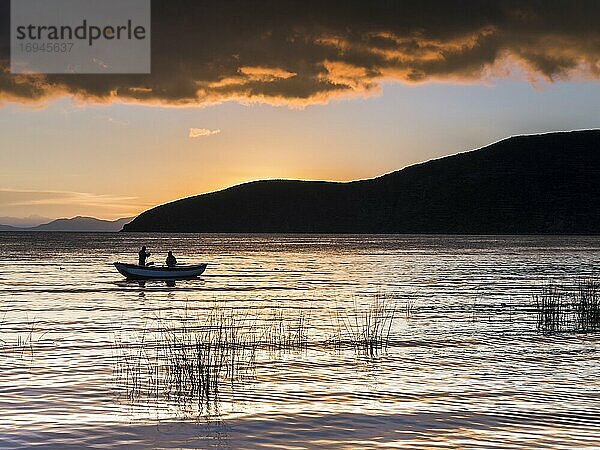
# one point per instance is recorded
(308, 90)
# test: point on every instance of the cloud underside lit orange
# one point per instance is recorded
(307, 52)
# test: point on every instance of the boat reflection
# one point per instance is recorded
(169, 282)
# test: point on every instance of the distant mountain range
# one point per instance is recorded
(538, 184)
(79, 223)
(9, 228)
(24, 222)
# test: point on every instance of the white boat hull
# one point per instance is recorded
(134, 271)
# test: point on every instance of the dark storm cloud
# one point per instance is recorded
(299, 52)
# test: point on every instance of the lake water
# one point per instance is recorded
(461, 365)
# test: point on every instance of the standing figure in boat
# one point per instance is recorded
(171, 261)
(143, 255)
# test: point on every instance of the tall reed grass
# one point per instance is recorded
(587, 306)
(189, 358)
(560, 308)
(368, 328)
(552, 308)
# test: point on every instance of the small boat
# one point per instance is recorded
(133, 271)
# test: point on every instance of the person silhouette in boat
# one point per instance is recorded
(171, 261)
(143, 255)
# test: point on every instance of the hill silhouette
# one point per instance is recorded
(538, 184)
(75, 224)
(82, 223)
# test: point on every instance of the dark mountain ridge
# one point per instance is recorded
(537, 184)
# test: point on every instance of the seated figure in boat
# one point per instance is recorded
(171, 261)
(143, 255)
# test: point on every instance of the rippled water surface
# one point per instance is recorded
(461, 364)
